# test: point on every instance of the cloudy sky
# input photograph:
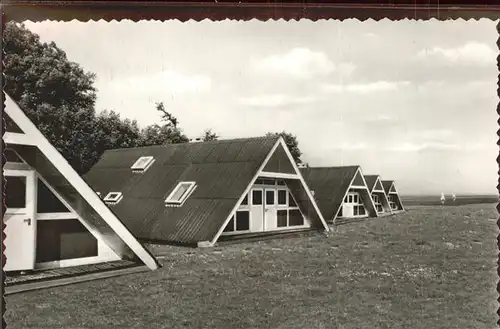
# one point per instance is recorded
(411, 101)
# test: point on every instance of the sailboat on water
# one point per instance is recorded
(454, 197)
(443, 199)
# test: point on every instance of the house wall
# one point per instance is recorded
(268, 207)
(381, 205)
(279, 162)
(353, 205)
(64, 241)
(394, 201)
(61, 237)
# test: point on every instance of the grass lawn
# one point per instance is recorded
(431, 267)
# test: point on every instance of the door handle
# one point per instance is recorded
(28, 220)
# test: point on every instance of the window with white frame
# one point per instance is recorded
(113, 197)
(180, 193)
(142, 164)
(378, 204)
(239, 222)
(354, 199)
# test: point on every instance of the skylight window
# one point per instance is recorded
(142, 164)
(113, 197)
(180, 193)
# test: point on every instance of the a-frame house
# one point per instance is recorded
(341, 192)
(195, 193)
(393, 196)
(378, 194)
(53, 218)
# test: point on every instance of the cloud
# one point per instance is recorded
(298, 62)
(168, 82)
(471, 52)
(365, 87)
(275, 100)
(412, 147)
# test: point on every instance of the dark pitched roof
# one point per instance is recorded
(370, 181)
(387, 185)
(221, 169)
(329, 184)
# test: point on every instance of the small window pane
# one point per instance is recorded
(259, 181)
(350, 198)
(282, 197)
(245, 200)
(356, 197)
(12, 156)
(179, 193)
(345, 199)
(269, 197)
(281, 182)
(242, 220)
(295, 218)
(361, 211)
(47, 201)
(230, 226)
(15, 192)
(257, 197)
(291, 201)
(282, 218)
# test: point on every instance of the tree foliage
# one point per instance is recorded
(209, 136)
(59, 97)
(56, 94)
(166, 133)
(292, 143)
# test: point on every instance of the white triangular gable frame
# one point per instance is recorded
(379, 181)
(262, 173)
(358, 171)
(33, 137)
(395, 192)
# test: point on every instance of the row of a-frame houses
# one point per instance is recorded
(190, 194)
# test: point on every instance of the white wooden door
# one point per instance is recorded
(270, 209)
(256, 209)
(20, 230)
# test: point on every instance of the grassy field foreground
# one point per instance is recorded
(431, 267)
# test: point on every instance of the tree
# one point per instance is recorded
(292, 143)
(56, 94)
(209, 136)
(167, 133)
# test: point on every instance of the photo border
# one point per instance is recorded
(85, 11)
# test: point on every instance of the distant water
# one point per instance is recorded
(413, 200)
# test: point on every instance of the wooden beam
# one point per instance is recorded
(268, 174)
(56, 216)
(18, 139)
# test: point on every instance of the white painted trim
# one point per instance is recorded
(113, 200)
(247, 189)
(359, 187)
(348, 190)
(56, 216)
(141, 169)
(281, 142)
(25, 124)
(18, 139)
(17, 166)
(75, 261)
(268, 174)
(369, 194)
(304, 184)
(190, 189)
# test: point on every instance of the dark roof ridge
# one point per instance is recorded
(221, 141)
